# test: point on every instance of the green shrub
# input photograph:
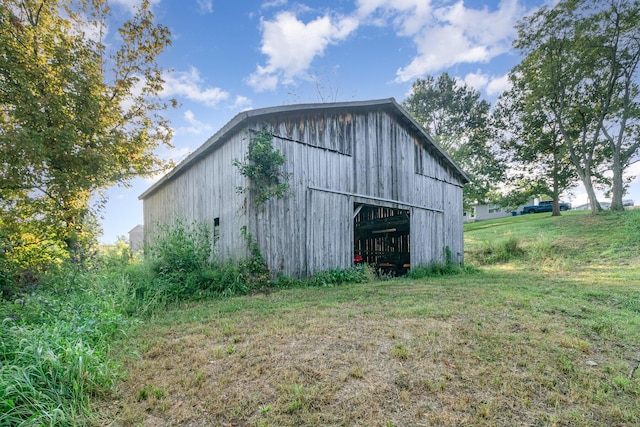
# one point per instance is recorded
(337, 277)
(181, 248)
(497, 251)
(328, 278)
(116, 257)
(181, 265)
(434, 270)
(54, 346)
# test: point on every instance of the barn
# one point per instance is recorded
(365, 183)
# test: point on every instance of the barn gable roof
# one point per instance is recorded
(248, 117)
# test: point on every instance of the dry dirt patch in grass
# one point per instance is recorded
(407, 354)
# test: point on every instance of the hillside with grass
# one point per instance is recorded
(544, 331)
(540, 328)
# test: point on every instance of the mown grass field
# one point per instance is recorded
(547, 333)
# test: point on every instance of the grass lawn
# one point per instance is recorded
(546, 333)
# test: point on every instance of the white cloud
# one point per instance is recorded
(476, 80)
(195, 127)
(408, 16)
(444, 32)
(445, 35)
(132, 5)
(241, 103)
(273, 3)
(205, 6)
(497, 85)
(291, 46)
(189, 84)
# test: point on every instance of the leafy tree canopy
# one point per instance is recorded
(77, 114)
(458, 119)
(533, 146)
(581, 70)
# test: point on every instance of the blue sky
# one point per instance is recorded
(228, 56)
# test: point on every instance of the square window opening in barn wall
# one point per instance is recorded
(382, 238)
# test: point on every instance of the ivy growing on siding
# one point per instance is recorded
(263, 168)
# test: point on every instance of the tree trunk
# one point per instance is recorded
(594, 204)
(591, 194)
(555, 209)
(617, 190)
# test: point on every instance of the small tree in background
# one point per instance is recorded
(533, 146)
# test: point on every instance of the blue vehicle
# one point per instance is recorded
(545, 206)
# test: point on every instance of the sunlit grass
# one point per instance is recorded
(540, 328)
(548, 337)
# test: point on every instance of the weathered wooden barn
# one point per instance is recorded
(365, 180)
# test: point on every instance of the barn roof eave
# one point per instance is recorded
(244, 117)
(409, 118)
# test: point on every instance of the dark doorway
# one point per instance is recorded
(381, 238)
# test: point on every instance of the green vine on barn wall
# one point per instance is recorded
(263, 167)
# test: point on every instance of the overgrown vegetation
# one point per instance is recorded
(263, 167)
(548, 325)
(545, 338)
(56, 333)
(54, 347)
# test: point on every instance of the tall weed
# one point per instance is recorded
(435, 270)
(493, 252)
(181, 265)
(54, 349)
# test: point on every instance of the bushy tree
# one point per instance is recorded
(533, 146)
(459, 120)
(581, 68)
(76, 116)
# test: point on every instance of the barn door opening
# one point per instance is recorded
(381, 238)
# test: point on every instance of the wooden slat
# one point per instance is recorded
(368, 154)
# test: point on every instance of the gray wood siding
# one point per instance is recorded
(326, 130)
(281, 225)
(363, 156)
(205, 191)
(427, 237)
(330, 231)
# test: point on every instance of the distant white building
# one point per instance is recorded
(627, 203)
(136, 238)
(491, 211)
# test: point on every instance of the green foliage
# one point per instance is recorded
(533, 145)
(435, 270)
(498, 251)
(75, 120)
(456, 117)
(181, 248)
(54, 349)
(254, 268)
(438, 269)
(118, 256)
(263, 168)
(580, 76)
(329, 278)
(181, 265)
